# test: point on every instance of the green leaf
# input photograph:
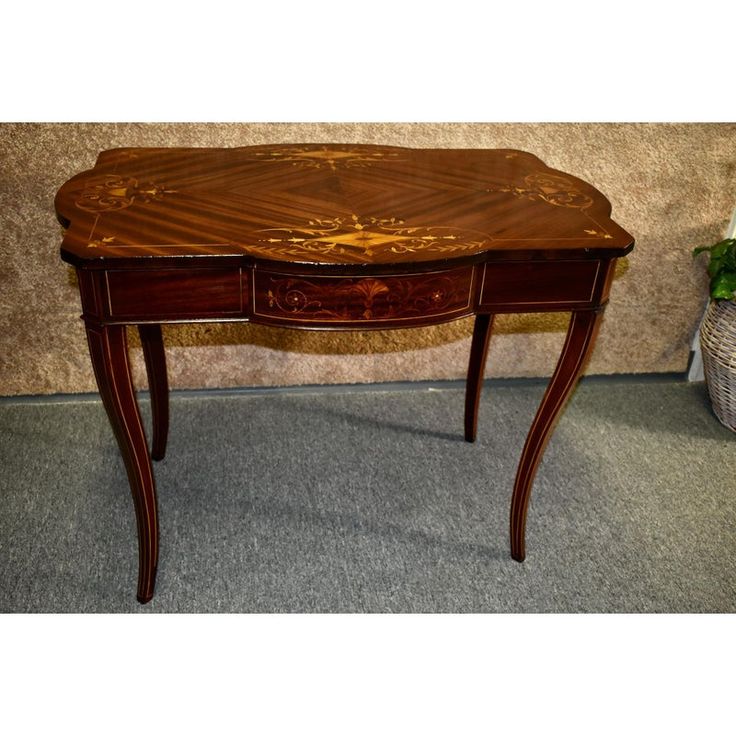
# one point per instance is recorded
(720, 249)
(715, 266)
(729, 259)
(721, 268)
(723, 286)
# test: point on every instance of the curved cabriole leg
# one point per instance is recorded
(158, 385)
(109, 351)
(476, 369)
(581, 335)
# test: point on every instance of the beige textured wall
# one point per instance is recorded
(672, 186)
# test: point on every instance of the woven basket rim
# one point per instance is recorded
(718, 346)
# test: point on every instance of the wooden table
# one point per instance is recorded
(329, 237)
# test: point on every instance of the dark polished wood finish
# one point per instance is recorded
(329, 237)
(476, 371)
(109, 351)
(385, 301)
(158, 386)
(576, 350)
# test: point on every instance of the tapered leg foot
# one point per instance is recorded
(581, 335)
(476, 370)
(158, 384)
(109, 352)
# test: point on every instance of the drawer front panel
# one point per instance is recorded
(539, 283)
(285, 297)
(198, 292)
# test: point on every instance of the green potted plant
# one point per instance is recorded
(718, 330)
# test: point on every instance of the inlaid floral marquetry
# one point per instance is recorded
(599, 234)
(551, 188)
(358, 237)
(330, 157)
(390, 298)
(112, 192)
(101, 242)
(341, 204)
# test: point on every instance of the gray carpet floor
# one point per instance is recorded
(370, 501)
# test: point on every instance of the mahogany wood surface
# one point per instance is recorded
(109, 352)
(577, 348)
(158, 386)
(346, 205)
(331, 301)
(476, 371)
(329, 237)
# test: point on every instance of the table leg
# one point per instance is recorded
(158, 385)
(476, 369)
(109, 352)
(581, 335)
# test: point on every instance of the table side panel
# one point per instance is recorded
(175, 294)
(518, 286)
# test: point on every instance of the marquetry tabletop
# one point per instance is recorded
(331, 204)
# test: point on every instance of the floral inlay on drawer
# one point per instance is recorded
(337, 298)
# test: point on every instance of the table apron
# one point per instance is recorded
(543, 286)
(320, 300)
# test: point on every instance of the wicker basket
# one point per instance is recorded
(718, 345)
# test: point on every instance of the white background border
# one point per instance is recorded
(388, 62)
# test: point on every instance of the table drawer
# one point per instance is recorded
(539, 283)
(290, 297)
(172, 293)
